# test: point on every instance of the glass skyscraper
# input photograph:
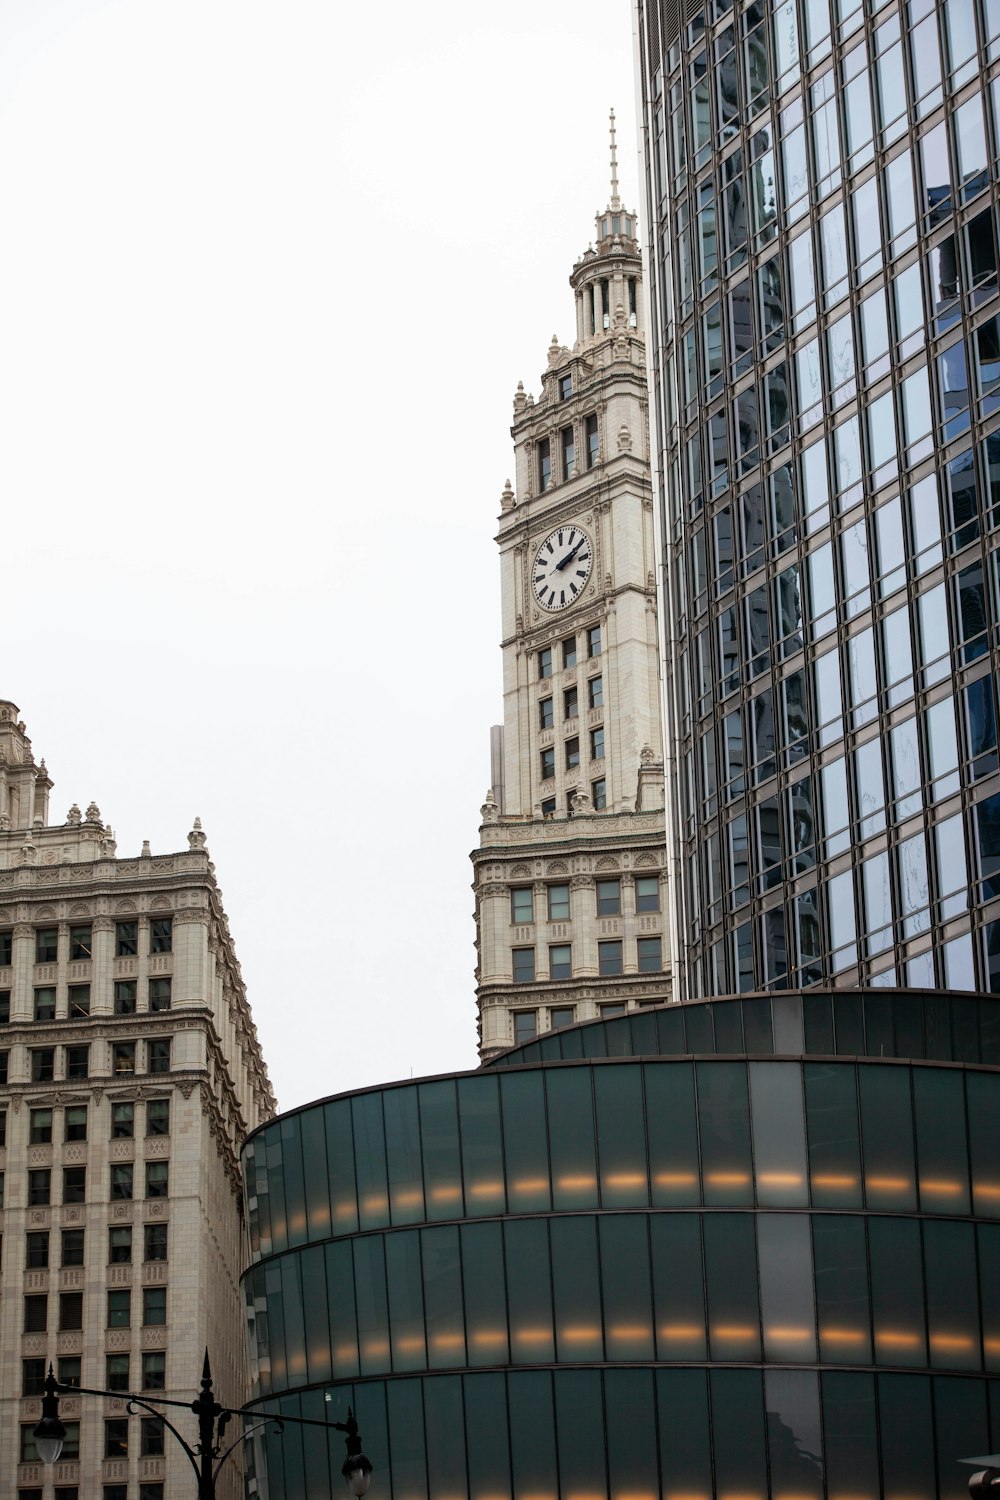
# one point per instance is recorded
(825, 346)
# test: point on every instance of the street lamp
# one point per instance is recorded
(987, 1482)
(208, 1455)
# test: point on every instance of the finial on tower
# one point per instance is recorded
(615, 200)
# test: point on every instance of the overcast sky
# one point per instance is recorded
(270, 271)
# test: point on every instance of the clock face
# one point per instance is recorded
(561, 567)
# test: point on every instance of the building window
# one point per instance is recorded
(79, 1000)
(565, 387)
(548, 811)
(609, 958)
(123, 1057)
(116, 1440)
(6, 948)
(521, 904)
(525, 1026)
(561, 961)
(81, 942)
(39, 1187)
(545, 663)
(558, 903)
(71, 1250)
(116, 1372)
(125, 993)
(647, 893)
(151, 1438)
(126, 939)
(158, 1055)
(159, 994)
(121, 1182)
(544, 464)
(155, 1247)
(593, 442)
(36, 1314)
(157, 1177)
(32, 1377)
(43, 1064)
(45, 1004)
(75, 1122)
(568, 452)
(77, 1063)
(3, 1127)
(71, 1444)
(161, 935)
(46, 945)
(70, 1312)
(613, 1008)
(4, 1061)
(115, 1492)
(119, 1308)
(569, 652)
(597, 744)
(594, 641)
(595, 692)
(120, 1245)
(158, 1117)
(4, 1006)
(28, 1451)
(68, 1371)
(524, 965)
(547, 759)
(650, 955)
(37, 1251)
(122, 1121)
(40, 1127)
(154, 1370)
(561, 1015)
(74, 1185)
(545, 715)
(599, 794)
(148, 1492)
(572, 753)
(609, 898)
(66, 1491)
(571, 703)
(154, 1305)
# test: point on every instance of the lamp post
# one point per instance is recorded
(987, 1481)
(208, 1455)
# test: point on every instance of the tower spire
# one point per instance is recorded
(615, 200)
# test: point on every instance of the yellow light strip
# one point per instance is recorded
(532, 1335)
(344, 1211)
(834, 1179)
(530, 1184)
(579, 1181)
(993, 1345)
(682, 1331)
(486, 1190)
(781, 1179)
(889, 1184)
(374, 1203)
(842, 1335)
(580, 1335)
(943, 1187)
(490, 1337)
(675, 1179)
(630, 1331)
(625, 1179)
(446, 1194)
(733, 1331)
(950, 1341)
(408, 1345)
(890, 1336)
(789, 1335)
(987, 1189)
(409, 1199)
(376, 1346)
(727, 1179)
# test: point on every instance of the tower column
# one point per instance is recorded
(582, 909)
(23, 964)
(102, 963)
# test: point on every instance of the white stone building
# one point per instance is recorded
(569, 872)
(129, 1073)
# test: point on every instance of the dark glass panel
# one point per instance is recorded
(595, 1043)
(841, 1268)
(524, 1139)
(834, 1146)
(317, 1448)
(369, 1156)
(725, 1132)
(942, 1149)
(318, 1352)
(964, 1012)
(887, 1136)
(439, 1133)
(670, 1031)
(487, 1440)
(698, 1025)
(343, 1319)
(276, 1190)
(340, 1162)
(628, 1310)
(685, 1441)
(788, 1026)
(446, 1472)
(757, 1030)
(983, 1094)
(908, 1025)
(907, 1444)
(373, 1311)
(791, 1401)
(642, 1029)
(529, 1295)
(878, 1025)
(576, 1287)
(631, 1434)
(402, 1156)
(621, 1138)
(952, 1302)
(817, 1016)
(404, 1400)
(988, 1236)
(937, 1030)
(482, 1157)
(849, 1025)
(678, 1286)
(731, 1283)
(570, 1044)
(571, 1136)
(293, 1182)
(897, 1285)
(672, 1133)
(485, 1301)
(729, 1028)
(533, 1420)
(962, 1428)
(738, 1411)
(786, 1287)
(580, 1432)
(779, 1136)
(850, 1435)
(274, 1293)
(406, 1300)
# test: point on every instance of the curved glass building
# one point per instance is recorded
(824, 335)
(744, 1248)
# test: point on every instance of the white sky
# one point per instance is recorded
(270, 271)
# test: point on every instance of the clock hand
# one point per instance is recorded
(569, 557)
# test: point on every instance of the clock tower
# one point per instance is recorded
(569, 873)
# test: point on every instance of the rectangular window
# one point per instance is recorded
(43, 1064)
(75, 1122)
(569, 652)
(4, 1062)
(560, 961)
(558, 903)
(115, 1492)
(568, 453)
(545, 662)
(122, 1121)
(116, 1372)
(40, 1127)
(599, 794)
(159, 994)
(159, 1055)
(116, 1439)
(119, 1308)
(46, 945)
(74, 1185)
(609, 898)
(544, 464)
(154, 1370)
(154, 1305)
(525, 1026)
(37, 1253)
(39, 1187)
(3, 1127)
(593, 442)
(77, 1063)
(79, 1000)
(68, 1371)
(609, 958)
(595, 692)
(594, 641)
(33, 1377)
(561, 1015)
(121, 1182)
(546, 718)
(571, 703)
(28, 1451)
(565, 387)
(158, 1117)
(548, 811)
(6, 948)
(521, 904)
(36, 1314)
(81, 942)
(524, 965)
(597, 744)
(547, 762)
(650, 956)
(120, 1245)
(611, 1008)
(161, 935)
(126, 939)
(151, 1438)
(157, 1179)
(647, 893)
(70, 1311)
(123, 1057)
(45, 1004)
(572, 753)
(155, 1246)
(71, 1249)
(4, 1006)
(125, 994)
